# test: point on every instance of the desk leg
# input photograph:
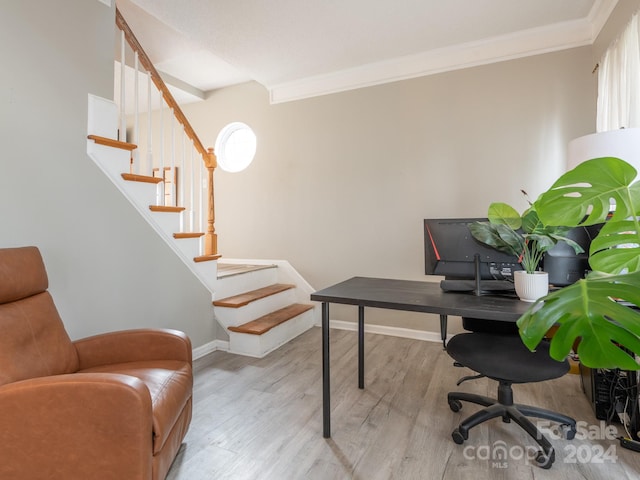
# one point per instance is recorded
(326, 380)
(443, 329)
(360, 346)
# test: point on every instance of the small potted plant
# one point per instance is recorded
(525, 237)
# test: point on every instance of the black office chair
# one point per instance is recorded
(504, 358)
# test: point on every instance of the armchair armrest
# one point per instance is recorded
(132, 346)
(92, 425)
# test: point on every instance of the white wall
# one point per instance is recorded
(340, 184)
(107, 268)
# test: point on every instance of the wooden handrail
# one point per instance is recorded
(160, 85)
(208, 155)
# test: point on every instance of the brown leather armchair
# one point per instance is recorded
(113, 406)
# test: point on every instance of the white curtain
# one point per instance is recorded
(619, 82)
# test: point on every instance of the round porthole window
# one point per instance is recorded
(235, 147)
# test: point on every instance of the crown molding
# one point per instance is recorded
(599, 14)
(560, 36)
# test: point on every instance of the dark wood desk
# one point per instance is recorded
(413, 296)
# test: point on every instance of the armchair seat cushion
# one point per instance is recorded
(170, 383)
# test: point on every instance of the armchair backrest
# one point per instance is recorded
(33, 341)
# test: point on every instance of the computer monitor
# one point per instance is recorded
(466, 263)
(451, 251)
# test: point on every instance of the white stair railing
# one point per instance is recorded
(168, 147)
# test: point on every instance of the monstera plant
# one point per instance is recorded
(601, 310)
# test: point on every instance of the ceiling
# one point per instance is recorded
(303, 48)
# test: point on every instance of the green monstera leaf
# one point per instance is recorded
(603, 309)
(584, 195)
(586, 310)
(617, 247)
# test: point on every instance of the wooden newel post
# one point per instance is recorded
(211, 238)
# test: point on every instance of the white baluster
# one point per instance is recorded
(149, 128)
(172, 165)
(181, 180)
(161, 167)
(122, 134)
(134, 138)
(200, 200)
(192, 227)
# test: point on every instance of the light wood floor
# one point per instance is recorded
(262, 419)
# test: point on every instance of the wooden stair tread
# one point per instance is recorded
(188, 235)
(245, 298)
(206, 258)
(132, 177)
(267, 322)
(110, 142)
(165, 208)
(231, 269)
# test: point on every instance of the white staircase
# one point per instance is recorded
(256, 327)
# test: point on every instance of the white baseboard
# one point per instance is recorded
(391, 331)
(423, 335)
(210, 347)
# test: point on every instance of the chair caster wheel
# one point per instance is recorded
(455, 405)
(458, 437)
(545, 461)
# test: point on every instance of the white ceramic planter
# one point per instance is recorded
(531, 286)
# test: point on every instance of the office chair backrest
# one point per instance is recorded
(489, 326)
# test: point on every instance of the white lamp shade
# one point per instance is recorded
(623, 144)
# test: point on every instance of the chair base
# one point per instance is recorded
(505, 408)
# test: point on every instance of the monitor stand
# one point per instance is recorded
(476, 261)
(477, 286)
